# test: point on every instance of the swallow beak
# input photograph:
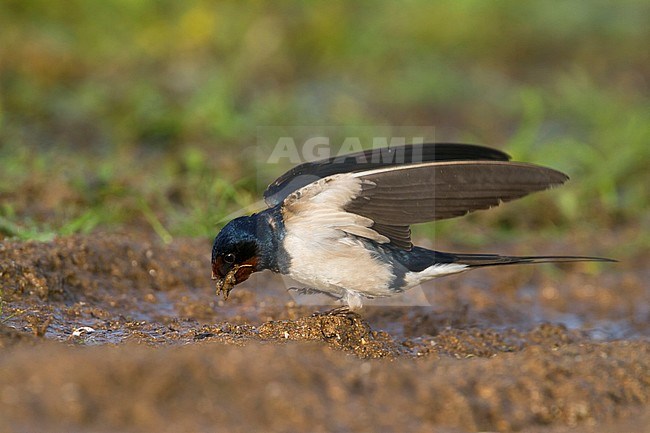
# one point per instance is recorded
(220, 279)
(224, 285)
(236, 275)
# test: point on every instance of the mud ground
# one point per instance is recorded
(113, 332)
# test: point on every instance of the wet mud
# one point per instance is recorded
(121, 333)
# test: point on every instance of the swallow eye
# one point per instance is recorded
(229, 258)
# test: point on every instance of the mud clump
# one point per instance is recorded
(121, 333)
(343, 332)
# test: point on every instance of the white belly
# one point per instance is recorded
(336, 263)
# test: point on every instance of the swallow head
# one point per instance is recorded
(235, 254)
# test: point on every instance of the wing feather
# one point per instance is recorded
(319, 208)
(304, 174)
(380, 204)
(433, 191)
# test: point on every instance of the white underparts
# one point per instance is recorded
(437, 270)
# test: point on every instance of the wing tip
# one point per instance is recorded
(559, 177)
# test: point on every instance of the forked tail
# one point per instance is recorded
(479, 260)
(419, 259)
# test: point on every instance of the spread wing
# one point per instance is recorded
(380, 204)
(371, 159)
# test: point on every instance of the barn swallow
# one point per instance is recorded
(341, 225)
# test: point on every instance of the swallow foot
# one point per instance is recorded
(342, 311)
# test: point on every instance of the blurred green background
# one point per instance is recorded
(142, 115)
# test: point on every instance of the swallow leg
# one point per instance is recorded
(342, 311)
(310, 291)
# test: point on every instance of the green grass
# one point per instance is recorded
(144, 114)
